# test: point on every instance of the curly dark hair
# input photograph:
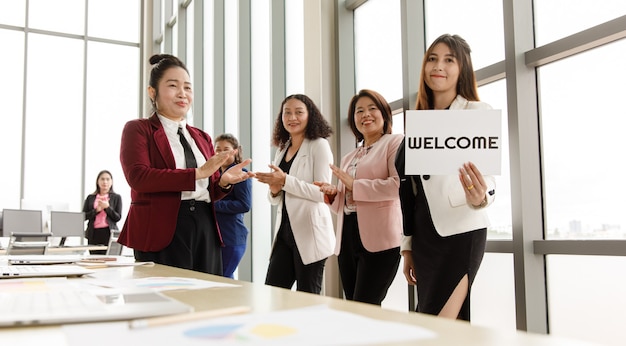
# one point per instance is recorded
(381, 104)
(317, 126)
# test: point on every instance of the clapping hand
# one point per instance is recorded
(236, 174)
(214, 163)
(329, 191)
(275, 179)
(345, 178)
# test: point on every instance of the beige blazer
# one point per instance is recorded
(309, 216)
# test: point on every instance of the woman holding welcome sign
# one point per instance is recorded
(444, 216)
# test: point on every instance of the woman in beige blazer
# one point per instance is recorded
(304, 235)
(366, 201)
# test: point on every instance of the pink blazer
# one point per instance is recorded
(156, 184)
(375, 191)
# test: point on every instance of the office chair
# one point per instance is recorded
(66, 224)
(114, 248)
(21, 221)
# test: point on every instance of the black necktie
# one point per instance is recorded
(190, 159)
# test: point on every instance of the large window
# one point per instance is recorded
(54, 121)
(104, 121)
(582, 140)
(377, 46)
(480, 25)
(13, 13)
(126, 13)
(500, 212)
(73, 79)
(571, 17)
(493, 293)
(262, 124)
(11, 133)
(586, 297)
(71, 20)
(294, 47)
(231, 67)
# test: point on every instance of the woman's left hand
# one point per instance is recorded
(214, 163)
(345, 178)
(473, 184)
(329, 191)
(236, 174)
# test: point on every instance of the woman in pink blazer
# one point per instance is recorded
(366, 201)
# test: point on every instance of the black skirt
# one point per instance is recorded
(441, 262)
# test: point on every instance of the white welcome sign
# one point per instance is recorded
(438, 142)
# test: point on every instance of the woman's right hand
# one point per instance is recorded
(329, 191)
(409, 268)
(345, 178)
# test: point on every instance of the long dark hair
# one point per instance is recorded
(317, 126)
(466, 85)
(104, 171)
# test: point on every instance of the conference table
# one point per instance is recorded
(264, 299)
(64, 250)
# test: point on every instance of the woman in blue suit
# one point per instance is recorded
(231, 209)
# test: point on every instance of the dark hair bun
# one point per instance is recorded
(157, 58)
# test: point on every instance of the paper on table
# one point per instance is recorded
(159, 283)
(178, 283)
(104, 264)
(316, 325)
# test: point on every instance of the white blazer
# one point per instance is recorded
(309, 216)
(449, 210)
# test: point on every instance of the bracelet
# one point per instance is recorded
(227, 187)
(276, 194)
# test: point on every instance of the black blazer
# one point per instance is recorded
(114, 211)
(407, 197)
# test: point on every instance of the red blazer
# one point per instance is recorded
(156, 183)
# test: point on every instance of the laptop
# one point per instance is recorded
(39, 271)
(44, 259)
(58, 301)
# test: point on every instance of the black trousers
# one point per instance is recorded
(366, 276)
(195, 244)
(98, 236)
(286, 265)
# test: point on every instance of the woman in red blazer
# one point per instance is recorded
(174, 176)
